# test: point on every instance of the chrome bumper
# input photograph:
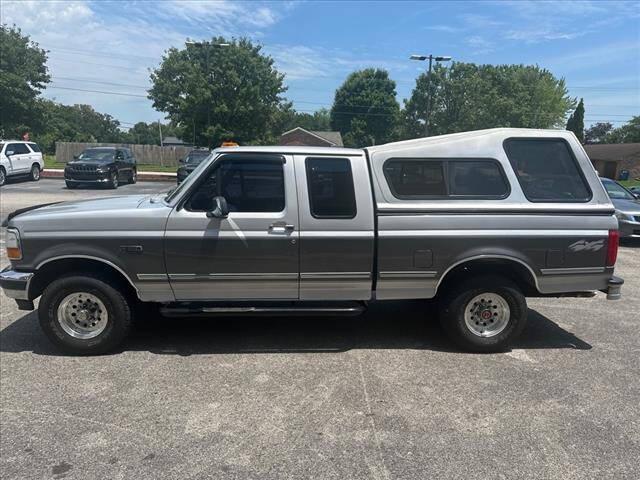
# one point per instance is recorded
(15, 284)
(614, 290)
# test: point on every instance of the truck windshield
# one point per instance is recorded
(92, 154)
(194, 158)
(617, 191)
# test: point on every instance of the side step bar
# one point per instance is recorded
(195, 309)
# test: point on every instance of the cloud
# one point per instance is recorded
(480, 45)
(537, 35)
(442, 28)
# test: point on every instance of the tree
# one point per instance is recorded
(23, 74)
(575, 123)
(365, 110)
(597, 133)
(628, 133)
(466, 96)
(213, 92)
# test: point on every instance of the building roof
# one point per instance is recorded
(613, 151)
(174, 141)
(333, 138)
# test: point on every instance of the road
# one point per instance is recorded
(382, 396)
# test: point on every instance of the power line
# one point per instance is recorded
(98, 91)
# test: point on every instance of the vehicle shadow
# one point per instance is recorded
(389, 325)
(630, 242)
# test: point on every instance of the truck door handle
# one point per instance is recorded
(281, 228)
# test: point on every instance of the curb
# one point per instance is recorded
(142, 176)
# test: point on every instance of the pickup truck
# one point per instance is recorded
(477, 220)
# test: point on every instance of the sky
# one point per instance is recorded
(110, 46)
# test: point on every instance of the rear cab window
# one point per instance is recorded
(330, 186)
(547, 170)
(451, 178)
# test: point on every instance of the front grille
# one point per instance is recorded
(82, 168)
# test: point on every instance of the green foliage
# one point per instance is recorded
(216, 93)
(23, 74)
(466, 96)
(575, 123)
(72, 123)
(597, 133)
(365, 110)
(319, 120)
(628, 133)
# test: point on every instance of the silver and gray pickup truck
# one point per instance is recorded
(478, 220)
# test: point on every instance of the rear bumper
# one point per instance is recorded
(614, 288)
(15, 284)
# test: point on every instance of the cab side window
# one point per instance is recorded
(247, 185)
(330, 185)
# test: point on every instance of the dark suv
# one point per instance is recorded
(190, 162)
(101, 166)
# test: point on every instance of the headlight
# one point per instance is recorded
(624, 216)
(14, 250)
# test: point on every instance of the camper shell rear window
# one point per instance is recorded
(547, 170)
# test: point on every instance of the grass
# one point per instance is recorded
(50, 162)
(630, 183)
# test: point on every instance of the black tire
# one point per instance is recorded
(71, 185)
(133, 176)
(34, 174)
(453, 307)
(3, 176)
(113, 180)
(118, 322)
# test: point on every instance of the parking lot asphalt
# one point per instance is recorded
(381, 396)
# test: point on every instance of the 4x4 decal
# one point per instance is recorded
(585, 246)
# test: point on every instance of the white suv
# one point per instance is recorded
(20, 158)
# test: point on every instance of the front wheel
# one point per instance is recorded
(84, 315)
(113, 180)
(3, 176)
(484, 314)
(35, 172)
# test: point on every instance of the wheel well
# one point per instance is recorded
(57, 268)
(511, 269)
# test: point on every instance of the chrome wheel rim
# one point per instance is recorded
(114, 179)
(35, 173)
(487, 314)
(82, 315)
(134, 177)
(2, 177)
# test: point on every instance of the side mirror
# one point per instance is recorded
(8, 153)
(181, 160)
(75, 157)
(220, 208)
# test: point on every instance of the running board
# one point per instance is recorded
(189, 309)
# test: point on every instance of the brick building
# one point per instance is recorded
(300, 136)
(611, 159)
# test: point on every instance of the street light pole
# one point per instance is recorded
(431, 58)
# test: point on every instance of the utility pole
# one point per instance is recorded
(431, 58)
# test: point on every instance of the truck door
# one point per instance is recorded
(250, 255)
(336, 227)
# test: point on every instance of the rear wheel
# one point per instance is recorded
(84, 315)
(484, 314)
(134, 176)
(35, 172)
